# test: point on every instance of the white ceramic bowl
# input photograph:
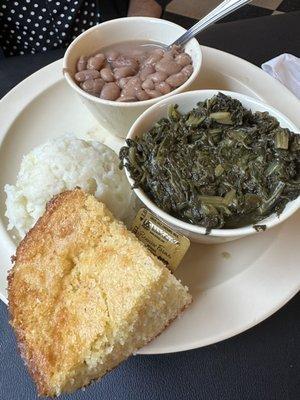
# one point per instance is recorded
(114, 116)
(186, 102)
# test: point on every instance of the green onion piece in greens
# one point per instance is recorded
(222, 117)
(230, 197)
(282, 139)
(173, 114)
(273, 167)
(272, 199)
(194, 120)
(219, 170)
(212, 200)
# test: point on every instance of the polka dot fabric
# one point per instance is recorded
(35, 26)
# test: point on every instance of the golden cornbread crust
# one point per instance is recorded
(31, 358)
(84, 294)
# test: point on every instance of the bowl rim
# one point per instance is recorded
(233, 232)
(149, 102)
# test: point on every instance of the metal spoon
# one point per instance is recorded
(223, 9)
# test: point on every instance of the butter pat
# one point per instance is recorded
(166, 244)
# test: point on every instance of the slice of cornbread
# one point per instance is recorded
(84, 294)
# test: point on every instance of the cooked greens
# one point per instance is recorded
(218, 166)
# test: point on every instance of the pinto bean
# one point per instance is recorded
(187, 70)
(128, 92)
(123, 72)
(122, 82)
(142, 95)
(110, 91)
(124, 99)
(183, 59)
(176, 48)
(153, 93)
(146, 70)
(107, 75)
(112, 55)
(86, 74)
(169, 55)
(132, 86)
(163, 87)
(169, 67)
(154, 57)
(158, 77)
(123, 61)
(96, 62)
(176, 80)
(82, 64)
(98, 84)
(173, 52)
(93, 86)
(148, 84)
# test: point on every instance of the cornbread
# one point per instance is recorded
(84, 294)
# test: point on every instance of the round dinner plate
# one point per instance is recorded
(234, 285)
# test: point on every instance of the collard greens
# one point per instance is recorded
(218, 166)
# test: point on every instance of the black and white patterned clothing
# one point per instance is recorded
(34, 26)
(31, 26)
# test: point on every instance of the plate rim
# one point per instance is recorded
(225, 336)
(31, 91)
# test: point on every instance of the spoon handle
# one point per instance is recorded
(223, 9)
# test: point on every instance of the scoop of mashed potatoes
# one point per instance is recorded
(61, 164)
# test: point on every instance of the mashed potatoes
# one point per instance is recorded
(64, 163)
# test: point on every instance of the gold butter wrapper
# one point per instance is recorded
(166, 244)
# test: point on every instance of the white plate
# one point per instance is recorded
(234, 285)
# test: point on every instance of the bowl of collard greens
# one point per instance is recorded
(216, 166)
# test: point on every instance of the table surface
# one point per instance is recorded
(261, 363)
